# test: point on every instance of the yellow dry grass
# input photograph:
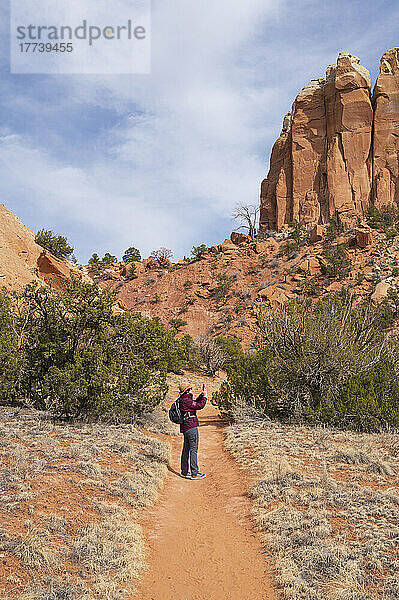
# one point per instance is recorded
(327, 504)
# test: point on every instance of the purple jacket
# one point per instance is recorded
(189, 405)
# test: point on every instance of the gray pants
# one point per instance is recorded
(190, 447)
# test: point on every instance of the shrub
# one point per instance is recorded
(199, 251)
(334, 228)
(367, 402)
(80, 360)
(222, 288)
(108, 259)
(131, 274)
(384, 219)
(337, 260)
(131, 255)
(10, 355)
(56, 244)
(177, 324)
(211, 354)
(247, 386)
(327, 361)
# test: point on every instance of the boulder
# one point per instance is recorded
(150, 263)
(239, 238)
(262, 247)
(227, 245)
(363, 237)
(56, 271)
(380, 292)
(317, 234)
(125, 268)
(310, 265)
(276, 295)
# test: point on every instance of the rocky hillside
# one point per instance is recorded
(23, 261)
(338, 149)
(218, 293)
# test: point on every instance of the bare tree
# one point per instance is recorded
(162, 255)
(212, 355)
(318, 347)
(247, 214)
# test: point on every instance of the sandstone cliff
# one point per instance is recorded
(338, 149)
(23, 261)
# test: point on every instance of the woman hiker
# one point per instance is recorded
(189, 428)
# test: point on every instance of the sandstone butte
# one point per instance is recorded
(23, 261)
(338, 151)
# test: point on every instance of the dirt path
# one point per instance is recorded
(202, 543)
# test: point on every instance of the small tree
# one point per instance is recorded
(131, 274)
(247, 214)
(337, 259)
(199, 251)
(56, 244)
(109, 259)
(317, 347)
(94, 260)
(131, 255)
(163, 256)
(177, 324)
(223, 287)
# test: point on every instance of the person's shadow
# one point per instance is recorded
(173, 471)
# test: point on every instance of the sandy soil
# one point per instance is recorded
(202, 542)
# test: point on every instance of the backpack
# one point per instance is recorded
(175, 414)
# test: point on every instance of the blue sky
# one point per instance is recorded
(162, 159)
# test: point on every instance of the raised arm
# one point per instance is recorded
(196, 404)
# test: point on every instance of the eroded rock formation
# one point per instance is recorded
(330, 159)
(23, 261)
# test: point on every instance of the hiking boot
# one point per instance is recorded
(199, 476)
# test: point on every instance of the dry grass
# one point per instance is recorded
(70, 497)
(327, 504)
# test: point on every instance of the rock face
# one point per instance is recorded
(338, 151)
(386, 131)
(23, 261)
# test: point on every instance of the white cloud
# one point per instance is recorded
(193, 137)
(185, 155)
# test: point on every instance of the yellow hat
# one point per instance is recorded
(184, 386)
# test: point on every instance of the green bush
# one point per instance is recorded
(78, 359)
(11, 361)
(368, 402)
(108, 259)
(337, 259)
(223, 287)
(132, 274)
(384, 219)
(131, 255)
(247, 387)
(199, 251)
(56, 244)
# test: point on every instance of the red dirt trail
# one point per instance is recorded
(201, 540)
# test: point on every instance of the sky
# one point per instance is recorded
(162, 159)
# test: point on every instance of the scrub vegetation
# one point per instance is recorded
(327, 505)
